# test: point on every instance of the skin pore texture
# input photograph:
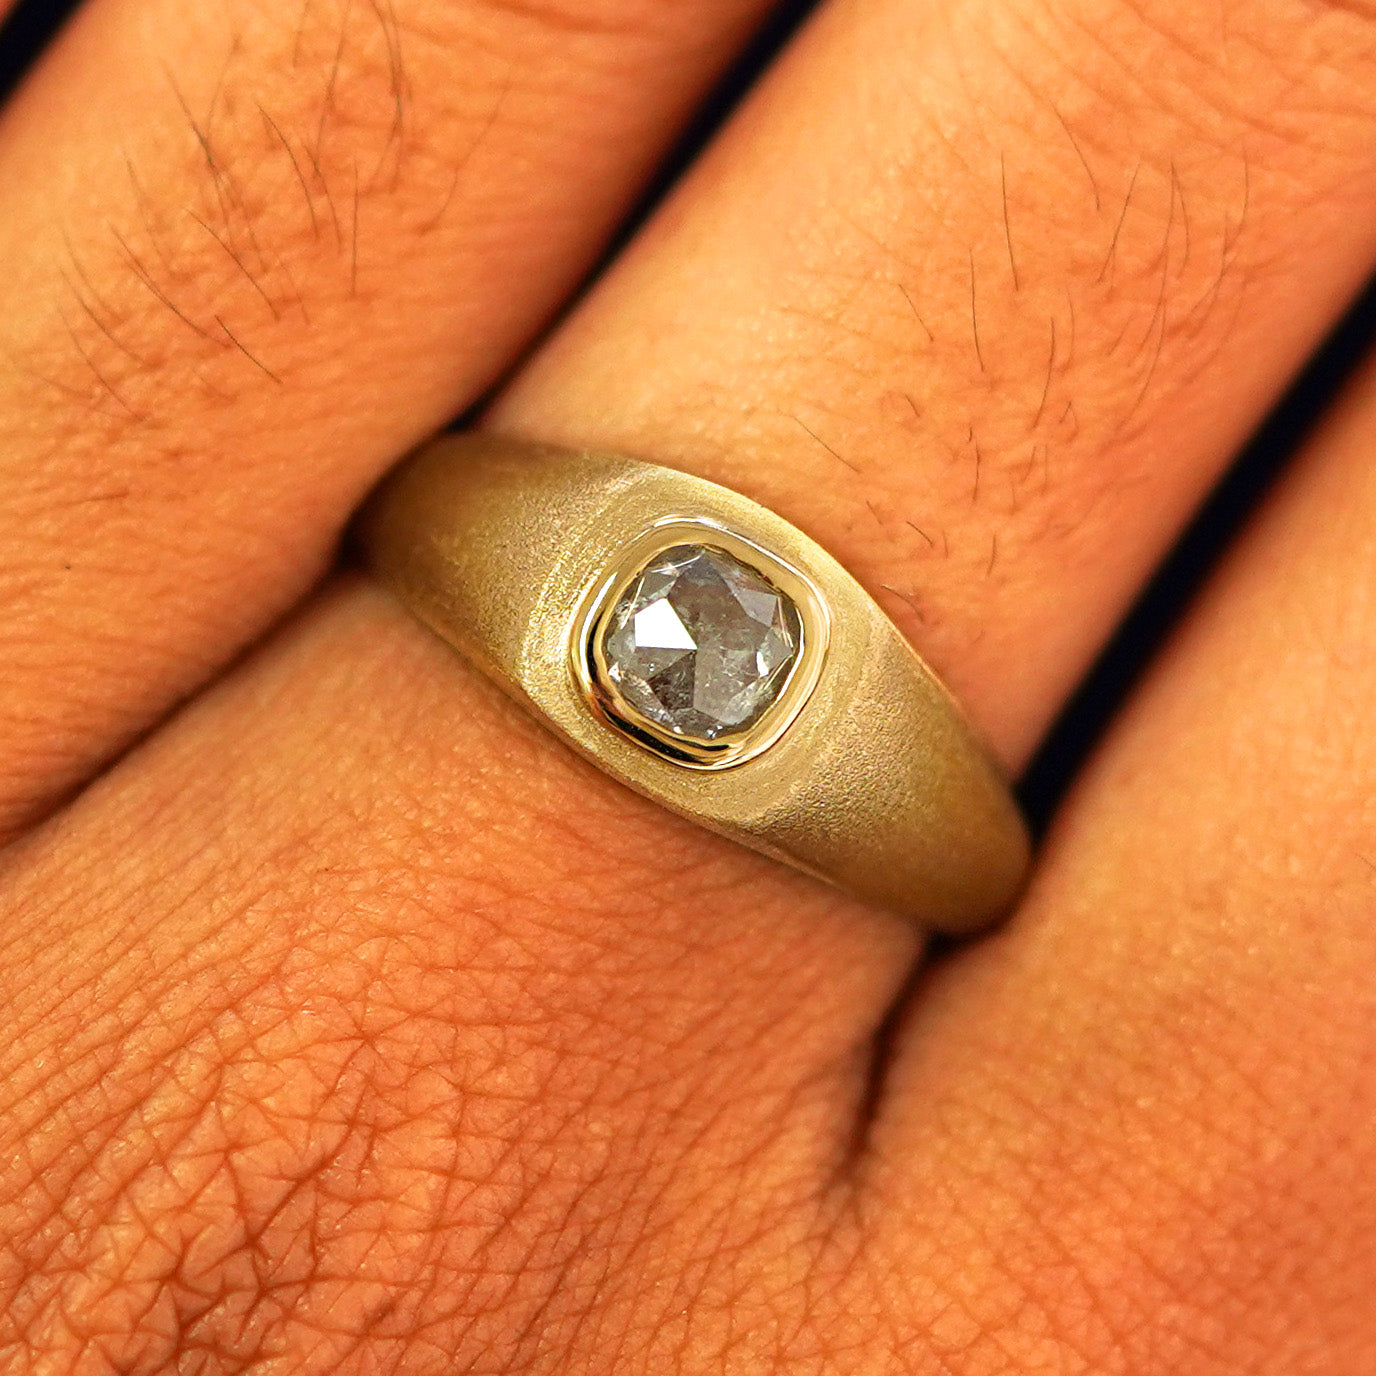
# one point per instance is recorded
(353, 1025)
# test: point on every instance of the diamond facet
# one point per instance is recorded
(700, 643)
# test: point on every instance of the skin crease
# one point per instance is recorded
(353, 1025)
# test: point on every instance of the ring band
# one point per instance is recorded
(711, 656)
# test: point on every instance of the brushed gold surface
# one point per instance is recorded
(877, 784)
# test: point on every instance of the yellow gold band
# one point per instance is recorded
(833, 748)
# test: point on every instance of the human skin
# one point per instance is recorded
(350, 1024)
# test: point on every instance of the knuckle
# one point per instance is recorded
(285, 1184)
(345, 1171)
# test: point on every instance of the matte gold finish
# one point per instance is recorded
(864, 772)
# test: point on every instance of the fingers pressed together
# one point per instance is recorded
(354, 1025)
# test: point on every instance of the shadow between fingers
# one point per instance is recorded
(25, 34)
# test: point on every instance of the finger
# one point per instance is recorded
(396, 1028)
(252, 253)
(991, 328)
(1162, 1074)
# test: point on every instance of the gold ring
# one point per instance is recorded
(708, 654)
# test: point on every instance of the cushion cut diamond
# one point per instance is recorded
(700, 643)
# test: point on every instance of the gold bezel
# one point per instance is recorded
(611, 708)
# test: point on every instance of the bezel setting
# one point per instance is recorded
(591, 671)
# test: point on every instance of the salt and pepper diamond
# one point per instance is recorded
(700, 643)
